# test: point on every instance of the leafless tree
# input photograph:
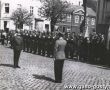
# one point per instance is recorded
(21, 16)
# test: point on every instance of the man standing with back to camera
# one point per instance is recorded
(17, 47)
(59, 56)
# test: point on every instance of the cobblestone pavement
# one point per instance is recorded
(37, 72)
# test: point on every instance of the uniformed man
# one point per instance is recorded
(48, 45)
(35, 43)
(24, 41)
(67, 48)
(43, 45)
(17, 47)
(59, 56)
(27, 41)
(39, 44)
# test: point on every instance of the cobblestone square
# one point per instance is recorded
(37, 73)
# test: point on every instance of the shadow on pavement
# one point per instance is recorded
(43, 77)
(7, 65)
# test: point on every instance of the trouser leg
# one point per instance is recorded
(58, 67)
(16, 57)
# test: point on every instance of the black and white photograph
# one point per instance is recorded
(54, 44)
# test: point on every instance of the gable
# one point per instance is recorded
(79, 11)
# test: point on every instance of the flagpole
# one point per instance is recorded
(84, 5)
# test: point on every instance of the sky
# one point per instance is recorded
(76, 2)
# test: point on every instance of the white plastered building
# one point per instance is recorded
(7, 7)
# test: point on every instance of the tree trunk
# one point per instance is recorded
(53, 23)
(52, 28)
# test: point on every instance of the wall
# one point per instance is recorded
(13, 5)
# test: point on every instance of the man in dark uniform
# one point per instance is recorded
(48, 45)
(27, 41)
(67, 48)
(59, 56)
(39, 44)
(35, 40)
(43, 44)
(17, 47)
(3, 38)
(52, 46)
(31, 42)
(24, 41)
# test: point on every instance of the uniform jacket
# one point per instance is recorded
(17, 42)
(59, 52)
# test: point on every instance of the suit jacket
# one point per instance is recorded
(59, 52)
(17, 42)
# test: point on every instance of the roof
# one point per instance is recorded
(72, 8)
(76, 8)
(91, 12)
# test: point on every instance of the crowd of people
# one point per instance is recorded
(86, 49)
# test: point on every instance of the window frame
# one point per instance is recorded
(7, 8)
(76, 18)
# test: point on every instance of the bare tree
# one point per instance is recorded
(21, 16)
(53, 10)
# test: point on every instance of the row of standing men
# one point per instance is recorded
(89, 49)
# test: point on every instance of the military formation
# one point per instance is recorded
(86, 49)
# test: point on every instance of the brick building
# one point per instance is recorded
(74, 18)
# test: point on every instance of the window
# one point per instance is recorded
(93, 21)
(5, 24)
(88, 20)
(31, 9)
(76, 19)
(6, 7)
(64, 19)
(69, 17)
(82, 18)
(47, 27)
(31, 26)
(19, 5)
(64, 28)
(20, 26)
(68, 29)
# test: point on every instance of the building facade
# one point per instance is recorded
(7, 7)
(74, 18)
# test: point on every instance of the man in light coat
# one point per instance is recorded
(59, 55)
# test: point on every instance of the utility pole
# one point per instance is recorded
(82, 26)
(84, 5)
